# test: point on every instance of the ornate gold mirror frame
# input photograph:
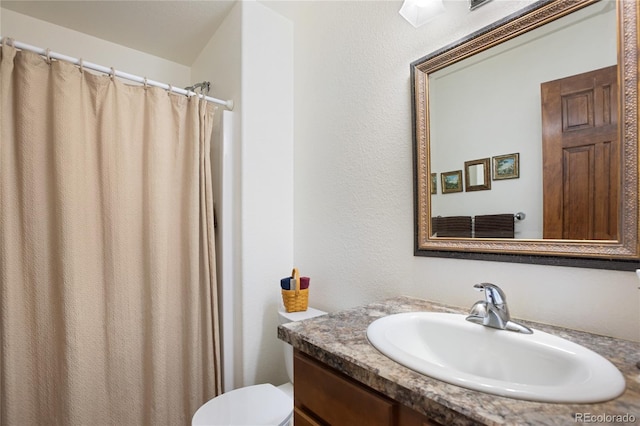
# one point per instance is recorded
(620, 254)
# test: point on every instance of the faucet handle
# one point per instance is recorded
(492, 293)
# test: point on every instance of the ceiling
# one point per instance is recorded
(177, 30)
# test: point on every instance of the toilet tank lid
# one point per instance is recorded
(299, 316)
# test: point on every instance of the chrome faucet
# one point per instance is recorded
(493, 311)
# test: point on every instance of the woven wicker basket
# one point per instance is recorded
(295, 300)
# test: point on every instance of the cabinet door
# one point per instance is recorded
(409, 417)
(330, 398)
(300, 418)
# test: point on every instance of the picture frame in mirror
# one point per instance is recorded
(451, 181)
(506, 166)
(477, 175)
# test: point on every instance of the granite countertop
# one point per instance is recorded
(339, 340)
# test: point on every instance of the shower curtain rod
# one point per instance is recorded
(106, 70)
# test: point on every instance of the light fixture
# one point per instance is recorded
(419, 12)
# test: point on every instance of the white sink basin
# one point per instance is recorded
(534, 367)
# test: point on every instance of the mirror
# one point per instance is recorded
(477, 176)
(514, 95)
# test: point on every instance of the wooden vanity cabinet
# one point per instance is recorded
(324, 396)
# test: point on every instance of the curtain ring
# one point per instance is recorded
(48, 53)
(146, 84)
(81, 66)
(8, 41)
(113, 74)
(170, 90)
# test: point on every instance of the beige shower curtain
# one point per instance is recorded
(108, 303)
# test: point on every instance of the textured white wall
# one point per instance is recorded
(353, 176)
(79, 45)
(267, 185)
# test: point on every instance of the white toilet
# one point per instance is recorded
(259, 404)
